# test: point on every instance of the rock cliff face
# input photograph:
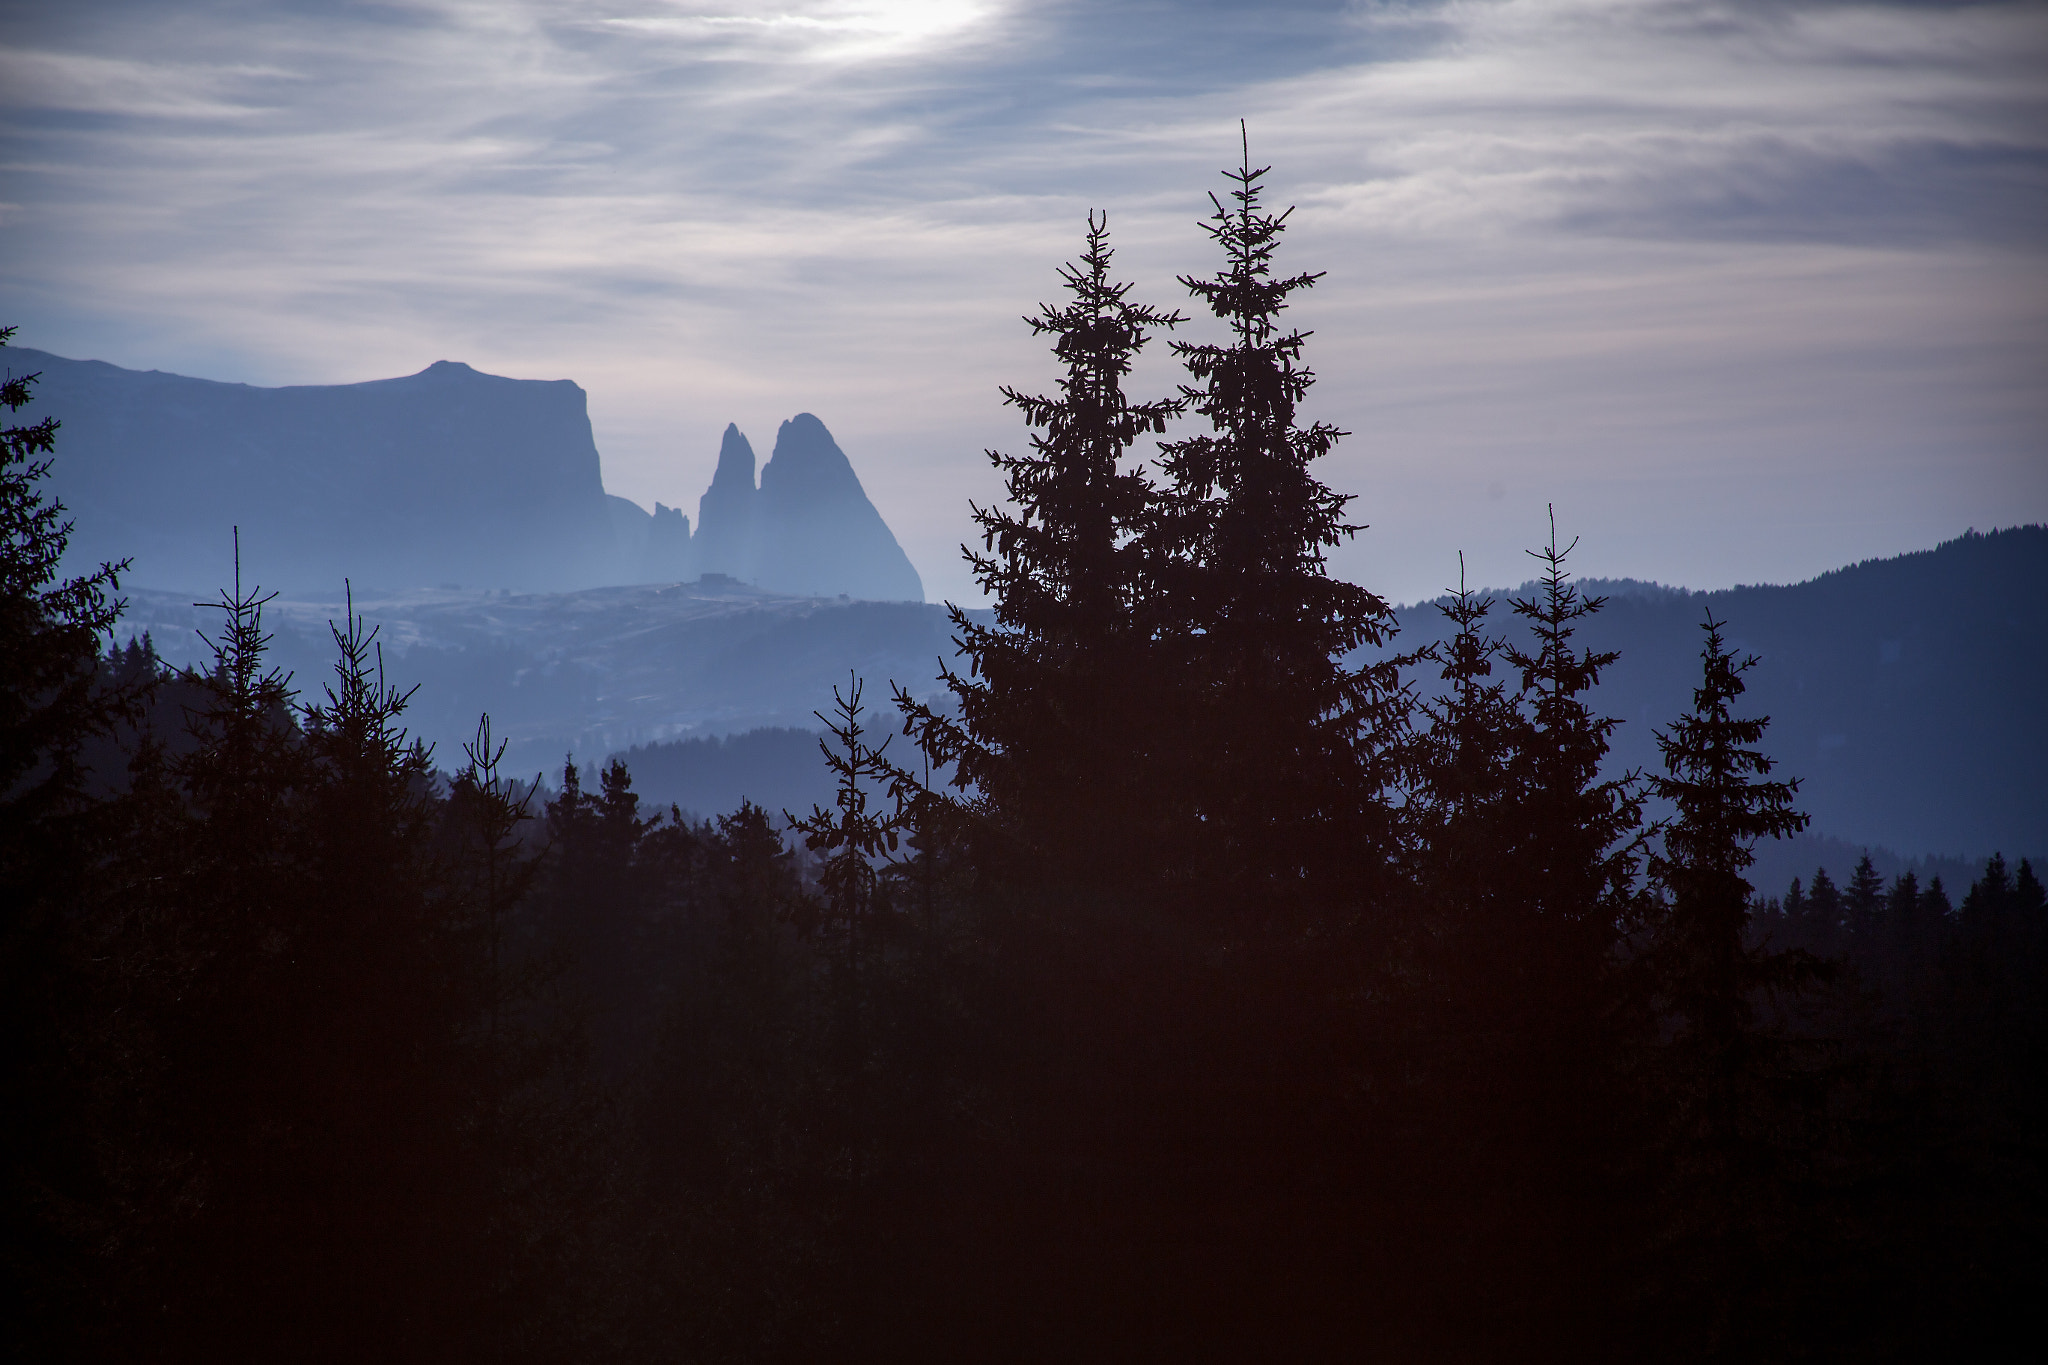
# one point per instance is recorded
(667, 558)
(448, 476)
(725, 514)
(815, 532)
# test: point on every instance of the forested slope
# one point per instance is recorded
(1905, 694)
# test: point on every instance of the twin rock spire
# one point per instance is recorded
(807, 528)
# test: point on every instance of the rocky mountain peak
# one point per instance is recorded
(808, 466)
(735, 461)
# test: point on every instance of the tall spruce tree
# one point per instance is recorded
(1523, 857)
(490, 872)
(212, 945)
(1724, 802)
(1462, 762)
(371, 1087)
(852, 838)
(1739, 1098)
(1056, 727)
(1289, 737)
(850, 835)
(1508, 799)
(54, 701)
(52, 697)
(1578, 866)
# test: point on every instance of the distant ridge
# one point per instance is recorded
(1904, 693)
(445, 477)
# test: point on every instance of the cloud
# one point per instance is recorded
(824, 30)
(1576, 248)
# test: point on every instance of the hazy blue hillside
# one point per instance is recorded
(778, 768)
(598, 670)
(1778, 861)
(1907, 694)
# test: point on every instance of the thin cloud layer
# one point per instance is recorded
(1747, 290)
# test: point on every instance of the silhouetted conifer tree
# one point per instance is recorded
(1906, 937)
(371, 1234)
(1464, 760)
(1579, 869)
(1524, 860)
(852, 838)
(1059, 723)
(219, 949)
(53, 699)
(1732, 1088)
(492, 871)
(56, 701)
(1707, 971)
(1934, 902)
(850, 835)
(1819, 928)
(599, 909)
(1291, 738)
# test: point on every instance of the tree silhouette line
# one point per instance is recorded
(1204, 979)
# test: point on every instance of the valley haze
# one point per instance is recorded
(470, 512)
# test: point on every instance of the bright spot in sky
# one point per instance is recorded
(846, 30)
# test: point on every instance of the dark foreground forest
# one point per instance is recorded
(1178, 991)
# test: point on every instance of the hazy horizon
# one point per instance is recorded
(1748, 292)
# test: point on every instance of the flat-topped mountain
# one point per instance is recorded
(448, 476)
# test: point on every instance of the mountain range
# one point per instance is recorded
(448, 476)
(1905, 694)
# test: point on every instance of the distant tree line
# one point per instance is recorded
(1184, 989)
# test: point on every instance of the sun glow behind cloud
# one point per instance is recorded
(826, 30)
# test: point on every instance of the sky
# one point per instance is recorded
(1745, 291)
